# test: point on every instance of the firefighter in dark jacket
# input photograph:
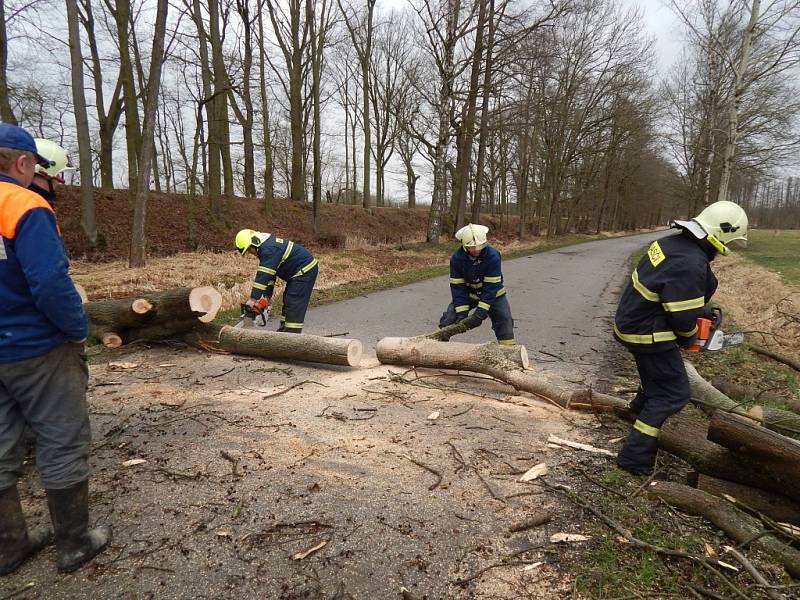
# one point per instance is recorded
(476, 282)
(285, 259)
(657, 316)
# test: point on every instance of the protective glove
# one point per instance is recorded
(685, 342)
(472, 321)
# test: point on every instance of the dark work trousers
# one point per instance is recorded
(296, 297)
(48, 394)
(499, 313)
(663, 392)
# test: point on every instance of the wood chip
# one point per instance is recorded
(304, 553)
(133, 462)
(532, 566)
(434, 415)
(578, 446)
(728, 566)
(223, 533)
(709, 551)
(558, 538)
(122, 365)
(534, 472)
(165, 365)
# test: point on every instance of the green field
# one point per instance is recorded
(776, 249)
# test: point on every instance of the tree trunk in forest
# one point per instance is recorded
(6, 114)
(137, 255)
(269, 176)
(736, 524)
(775, 506)
(739, 88)
(272, 344)
(132, 126)
(88, 222)
(484, 130)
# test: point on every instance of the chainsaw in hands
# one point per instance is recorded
(256, 315)
(711, 338)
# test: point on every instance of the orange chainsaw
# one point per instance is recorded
(254, 316)
(710, 337)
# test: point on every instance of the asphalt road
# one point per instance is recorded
(562, 301)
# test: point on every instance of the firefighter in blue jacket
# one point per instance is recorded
(43, 372)
(288, 260)
(657, 315)
(476, 282)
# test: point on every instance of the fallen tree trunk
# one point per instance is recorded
(116, 321)
(776, 506)
(273, 344)
(737, 525)
(745, 436)
(505, 363)
(710, 399)
(687, 439)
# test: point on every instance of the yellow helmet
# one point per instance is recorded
(472, 236)
(720, 223)
(246, 238)
(59, 162)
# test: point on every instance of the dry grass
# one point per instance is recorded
(232, 274)
(760, 301)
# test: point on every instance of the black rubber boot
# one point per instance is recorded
(16, 544)
(76, 544)
(638, 454)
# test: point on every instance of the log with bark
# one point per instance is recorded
(775, 506)
(709, 399)
(724, 515)
(118, 321)
(273, 344)
(506, 363)
(687, 439)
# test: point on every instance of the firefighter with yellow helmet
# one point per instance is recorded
(657, 316)
(279, 257)
(476, 282)
(45, 178)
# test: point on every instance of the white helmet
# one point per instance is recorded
(59, 162)
(472, 236)
(721, 223)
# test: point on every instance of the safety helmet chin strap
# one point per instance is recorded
(718, 246)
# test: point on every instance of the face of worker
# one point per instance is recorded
(252, 250)
(23, 168)
(473, 250)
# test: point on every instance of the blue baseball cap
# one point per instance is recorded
(16, 138)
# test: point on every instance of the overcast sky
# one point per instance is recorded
(661, 23)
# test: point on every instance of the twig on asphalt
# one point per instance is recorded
(438, 475)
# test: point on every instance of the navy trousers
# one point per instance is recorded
(499, 313)
(296, 297)
(663, 392)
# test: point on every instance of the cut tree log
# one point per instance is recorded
(506, 363)
(687, 439)
(776, 506)
(746, 436)
(273, 344)
(724, 515)
(115, 321)
(709, 399)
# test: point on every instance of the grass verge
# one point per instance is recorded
(776, 249)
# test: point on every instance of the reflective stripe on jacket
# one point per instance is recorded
(282, 258)
(479, 279)
(666, 293)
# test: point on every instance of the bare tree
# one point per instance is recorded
(88, 221)
(360, 27)
(137, 254)
(6, 114)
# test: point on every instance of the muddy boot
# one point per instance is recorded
(16, 544)
(75, 542)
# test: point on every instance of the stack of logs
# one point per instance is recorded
(186, 314)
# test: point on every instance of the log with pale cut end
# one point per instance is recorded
(141, 306)
(710, 398)
(101, 332)
(506, 363)
(724, 515)
(687, 439)
(776, 506)
(279, 345)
